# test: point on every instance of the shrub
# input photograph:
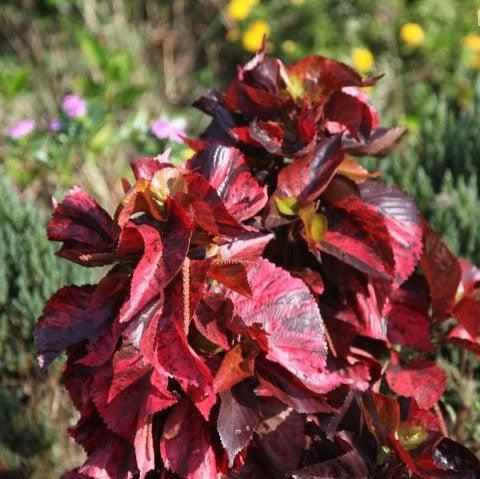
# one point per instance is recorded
(271, 310)
(30, 273)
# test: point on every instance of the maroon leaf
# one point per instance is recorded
(380, 142)
(283, 307)
(237, 418)
(165, 248)
(213, 313)
(76, 313)
(227, 171)
(109, 455)
(282, 440)
(306, 178)
(186, 445)
(350, 465)
(422, 380)
(286, 388)
(87, 231)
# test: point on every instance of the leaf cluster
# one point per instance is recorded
(271, 310)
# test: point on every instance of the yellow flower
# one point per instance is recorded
(412, 34)
(240, 9)
(472, 42)
(362, 59)
(233, 35)
(289, 46)
(252, 38)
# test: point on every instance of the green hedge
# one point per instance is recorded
(31, 403)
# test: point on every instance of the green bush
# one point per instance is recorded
(30, 402)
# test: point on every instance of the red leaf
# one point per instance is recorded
(127, 391)
(227, 171)
(408, 319)
(165, 248)
(461, 337)
(421, 417)
(467, 311)
(347, 241)
(145, 168)
(87, 231)
(283, 307)
(186, 446)
(306, 178)
(311, 278)
(164, 344)
(321, 75)
(237, 365)
(246, 246)
(209, 211)
(232, 274)
(422, 380)
(76, 313)
(255, 103)
(382, 415)
(391, 219)
(137, 200)
(442, 271)
(349, 111)
(237, 418)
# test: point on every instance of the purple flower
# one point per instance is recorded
(74, 106)
(55, 125)
(166, 129)
(22, 128)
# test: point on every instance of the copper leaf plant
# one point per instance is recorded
(271, 309)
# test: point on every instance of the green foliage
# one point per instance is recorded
(30, 274)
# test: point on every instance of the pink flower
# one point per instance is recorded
(74, 106)
(166, 129)
(55, 125)
(22, 128)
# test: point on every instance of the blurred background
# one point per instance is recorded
(88, 85)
